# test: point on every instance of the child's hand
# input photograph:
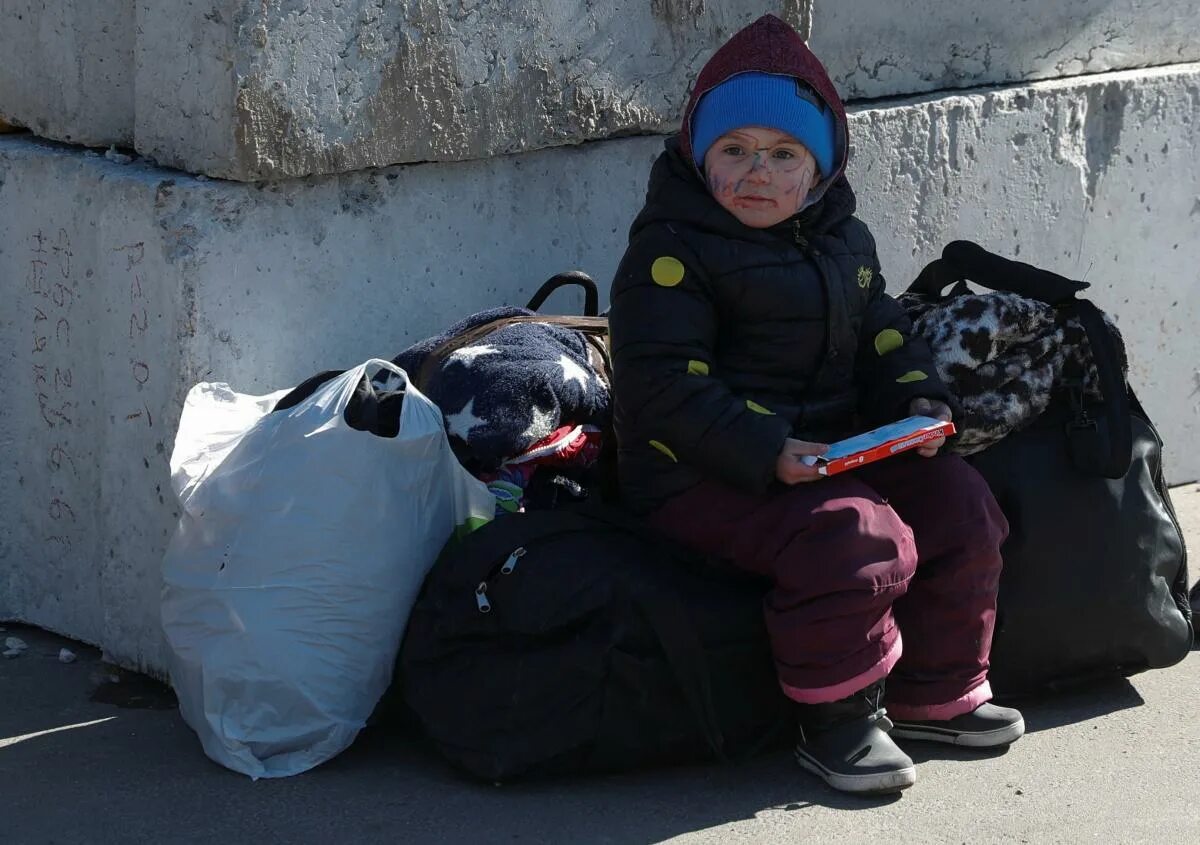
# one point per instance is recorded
(930, 408)
(790, 467)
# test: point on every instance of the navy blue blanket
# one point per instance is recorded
(512, 388)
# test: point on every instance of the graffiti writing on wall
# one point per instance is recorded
(53, 296)
(139, 323)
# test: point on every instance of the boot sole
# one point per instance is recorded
(875, 783)
(982, 739)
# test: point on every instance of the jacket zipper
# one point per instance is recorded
(831, 352)
(801, 241)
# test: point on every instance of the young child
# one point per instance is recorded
(749, 328)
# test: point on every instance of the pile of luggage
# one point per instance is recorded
(555, 633)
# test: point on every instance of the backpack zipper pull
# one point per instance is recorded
(511, 563)
(481, 600)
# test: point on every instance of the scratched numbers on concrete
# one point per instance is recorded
(139, 322)
(53, 296)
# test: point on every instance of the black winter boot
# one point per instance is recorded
(845, 743)
(987, 726)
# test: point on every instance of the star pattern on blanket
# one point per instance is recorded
(573, 372)
(540, 426)
(466, 355)
(459, 425)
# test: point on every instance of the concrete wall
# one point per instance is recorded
(366, 84)
(267, 89)
(338, 87)
(875, 49)
(66, 69)
(125, 284)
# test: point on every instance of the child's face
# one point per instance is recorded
(761, 176)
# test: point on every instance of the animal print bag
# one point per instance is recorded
(1095, 568)
(1004, 353)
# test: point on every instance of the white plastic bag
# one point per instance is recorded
(300, 549)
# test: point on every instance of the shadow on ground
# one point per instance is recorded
(387, 785)
(85, 738)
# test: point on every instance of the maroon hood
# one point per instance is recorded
(769, 46)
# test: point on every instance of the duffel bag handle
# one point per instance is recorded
(591, 296)
(1101, 447)
(966, 260)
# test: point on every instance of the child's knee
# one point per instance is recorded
(970, 505)
(865, 547)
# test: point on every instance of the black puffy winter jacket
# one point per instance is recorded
(726, 339)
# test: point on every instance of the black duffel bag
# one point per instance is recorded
(572, 640)
(1095, 568)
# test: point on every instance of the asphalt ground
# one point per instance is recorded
(92, 754)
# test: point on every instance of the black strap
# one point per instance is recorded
(665, 613)
(305, 389)
(591, 296)
(934, 278)
(685, 654)
(966, 260)
(1101, 447)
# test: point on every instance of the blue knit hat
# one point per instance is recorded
(765, 99)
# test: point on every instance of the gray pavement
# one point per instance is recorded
(1116, 763)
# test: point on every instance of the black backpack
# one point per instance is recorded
(573, 640)
(1095, 568)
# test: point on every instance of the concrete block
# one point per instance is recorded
(266, 90)
(877, 49)
(125, 284)
(263, 89)
(282, 91)
(66, 69)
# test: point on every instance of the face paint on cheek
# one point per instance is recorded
(804, 184)
(718, 185)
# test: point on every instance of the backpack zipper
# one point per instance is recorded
(506, 568)
(481, 598)
(511, 563)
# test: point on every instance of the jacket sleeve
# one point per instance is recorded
(663, 333)
(893, 365)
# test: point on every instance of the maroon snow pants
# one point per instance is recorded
(887, 570)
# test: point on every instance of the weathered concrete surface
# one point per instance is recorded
(125, 284)
(267, 89)
(335, 87)
(66, 69)
(263, 89)
(875, 49)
